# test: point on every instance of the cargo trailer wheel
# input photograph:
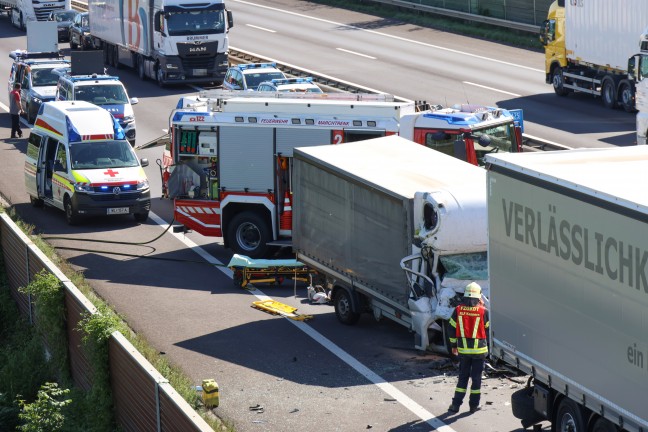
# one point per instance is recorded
(626, 97)
(71, 214)
(608, 93)
(248, 234)
(569, 417)
(558, 82)
(343, 308)
(604, 425)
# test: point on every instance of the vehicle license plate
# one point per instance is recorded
(118, 210)
(200, 72)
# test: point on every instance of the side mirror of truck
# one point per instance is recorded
(230, 20)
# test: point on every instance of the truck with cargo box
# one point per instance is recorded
(593, 47)
(170, 41)
(568, 266)
(364, 211)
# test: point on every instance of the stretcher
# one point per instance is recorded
(247, 270)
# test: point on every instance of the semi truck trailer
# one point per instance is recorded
(396, 229)
(170, 41)
(593, 47)
(568, 267)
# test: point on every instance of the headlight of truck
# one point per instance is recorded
(82, 187)
(171, 66)
(143, 185)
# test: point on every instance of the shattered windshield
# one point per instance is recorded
(195, 23)
(472, 266)
(104, 154)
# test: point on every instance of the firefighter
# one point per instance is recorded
(470, 320)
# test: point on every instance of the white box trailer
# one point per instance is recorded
(604, 32)
(568, 266)
(360, 210)
(593, 47)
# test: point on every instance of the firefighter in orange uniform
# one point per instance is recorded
(470, 320)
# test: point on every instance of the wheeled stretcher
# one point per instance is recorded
(247, 270)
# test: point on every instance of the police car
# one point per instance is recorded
(300, 85)
(34, 72)
(249, 76)
(106, 91)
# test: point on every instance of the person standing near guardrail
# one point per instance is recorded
(15, 109)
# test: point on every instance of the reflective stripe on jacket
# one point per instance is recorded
(470, 324)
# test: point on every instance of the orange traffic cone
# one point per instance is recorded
(285, 226)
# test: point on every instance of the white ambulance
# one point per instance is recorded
(78, 160)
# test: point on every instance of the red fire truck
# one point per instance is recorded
(228, 162)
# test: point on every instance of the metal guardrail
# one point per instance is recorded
(529, 28)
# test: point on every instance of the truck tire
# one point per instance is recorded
(558, 82)
(604, 425)
(140, 67)
(159, 76)
(569, 417)
(248, 234)
(608, 93)
(626, 97)
(115, 57)
(344, 307)
(71, 215)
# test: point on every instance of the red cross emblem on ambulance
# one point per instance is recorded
(111, 173)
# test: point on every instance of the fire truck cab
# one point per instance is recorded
(228, 162)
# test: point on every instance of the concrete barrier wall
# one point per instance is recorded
(143, 399)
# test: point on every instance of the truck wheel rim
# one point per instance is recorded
(248, 236)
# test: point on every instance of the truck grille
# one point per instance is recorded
(123, 196)
(43, 12)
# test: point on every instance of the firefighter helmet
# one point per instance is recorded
(473, 290)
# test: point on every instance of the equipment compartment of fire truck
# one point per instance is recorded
(228, 163)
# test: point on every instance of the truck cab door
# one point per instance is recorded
(33, 173)
(60, 168)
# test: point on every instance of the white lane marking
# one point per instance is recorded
(6, 108)
(492, 88)
(261, 28)
(376, 379)
(394, 37)
(355, 53)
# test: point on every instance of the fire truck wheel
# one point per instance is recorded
(248, 234)
(344, 308)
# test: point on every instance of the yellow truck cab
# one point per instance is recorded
(78, 160)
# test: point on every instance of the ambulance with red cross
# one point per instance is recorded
(78, 160)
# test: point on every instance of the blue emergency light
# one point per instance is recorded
(256, 65)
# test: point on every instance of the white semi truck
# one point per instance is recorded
(592, 46)
(397, 229)
(568, 267)
(23, 11)
(170, 41)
